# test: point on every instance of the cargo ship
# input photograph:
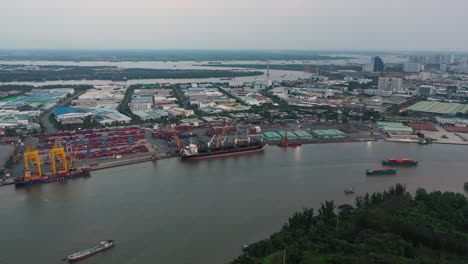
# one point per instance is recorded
(380, 171)
(400, 161)
(29, 179)
(103, 245)
(61, 168)
(193, 151)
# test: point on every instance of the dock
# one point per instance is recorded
(124, 162)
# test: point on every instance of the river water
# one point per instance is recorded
(275, 75)
(185, 212)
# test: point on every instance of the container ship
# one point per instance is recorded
(62, 167)
(400, 161)
(380, 171)
(29, 179)
(103, 245)
(194, 151)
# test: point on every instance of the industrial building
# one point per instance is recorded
(328, 133)
(110, 116)
(272, 136)
(67, 113)
(141, 103)
(395, 128)
(441, 108)
(13, 120)
(36, 100)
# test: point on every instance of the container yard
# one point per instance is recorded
(97, 145)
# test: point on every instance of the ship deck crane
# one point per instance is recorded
(57, 153)
(31, 155)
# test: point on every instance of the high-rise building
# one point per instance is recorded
(396, 84)
(378, 63)
(412, 67)
(384, 84)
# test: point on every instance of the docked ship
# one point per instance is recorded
(400, 161)
(194, 151)
(380, 171)
(103, 245)
(62, 167)
(29, 179)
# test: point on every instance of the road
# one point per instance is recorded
(44, 118)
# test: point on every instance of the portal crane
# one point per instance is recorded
(32, 156)
(58, 153)
(221, 137)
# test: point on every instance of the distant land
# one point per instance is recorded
(19, 73)
(162, 55)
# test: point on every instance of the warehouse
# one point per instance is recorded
(272, 136)
(291, 135)
(439, 108)
(13, 120)
(68, 113)
(302, 134)
(110, 116)
(328, 133)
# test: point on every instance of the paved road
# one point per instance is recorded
(44, 119)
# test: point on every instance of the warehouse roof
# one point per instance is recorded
(389, 124)
(68, 110)
(439, 107)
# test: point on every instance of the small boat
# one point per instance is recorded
(103, 245)
(285, 144)
(350, 190)
(400, 161)
(380, 171)
(423, 142)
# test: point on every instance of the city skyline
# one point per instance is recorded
(240, 25)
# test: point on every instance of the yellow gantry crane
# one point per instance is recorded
(31, 155)
(57, 153)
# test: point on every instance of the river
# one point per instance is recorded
(185, 212)
(275, 75)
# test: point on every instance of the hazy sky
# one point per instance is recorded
(235, 24)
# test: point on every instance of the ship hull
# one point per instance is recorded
(224, 153)
(405, 163)
(73, 174)
(381, 172)
(76, 259)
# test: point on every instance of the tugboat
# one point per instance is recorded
(400, 161)
(380, 171)
(286, 143)
(103, 245)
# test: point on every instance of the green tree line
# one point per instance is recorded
(388, 227)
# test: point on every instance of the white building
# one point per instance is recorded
(261, 84)
(384, 84)
(426, 90)
(413, 67)
(452, 121)
(396, 84)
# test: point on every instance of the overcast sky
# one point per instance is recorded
(235, 24)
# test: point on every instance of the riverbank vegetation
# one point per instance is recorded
(388, 227)
(16, 73)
